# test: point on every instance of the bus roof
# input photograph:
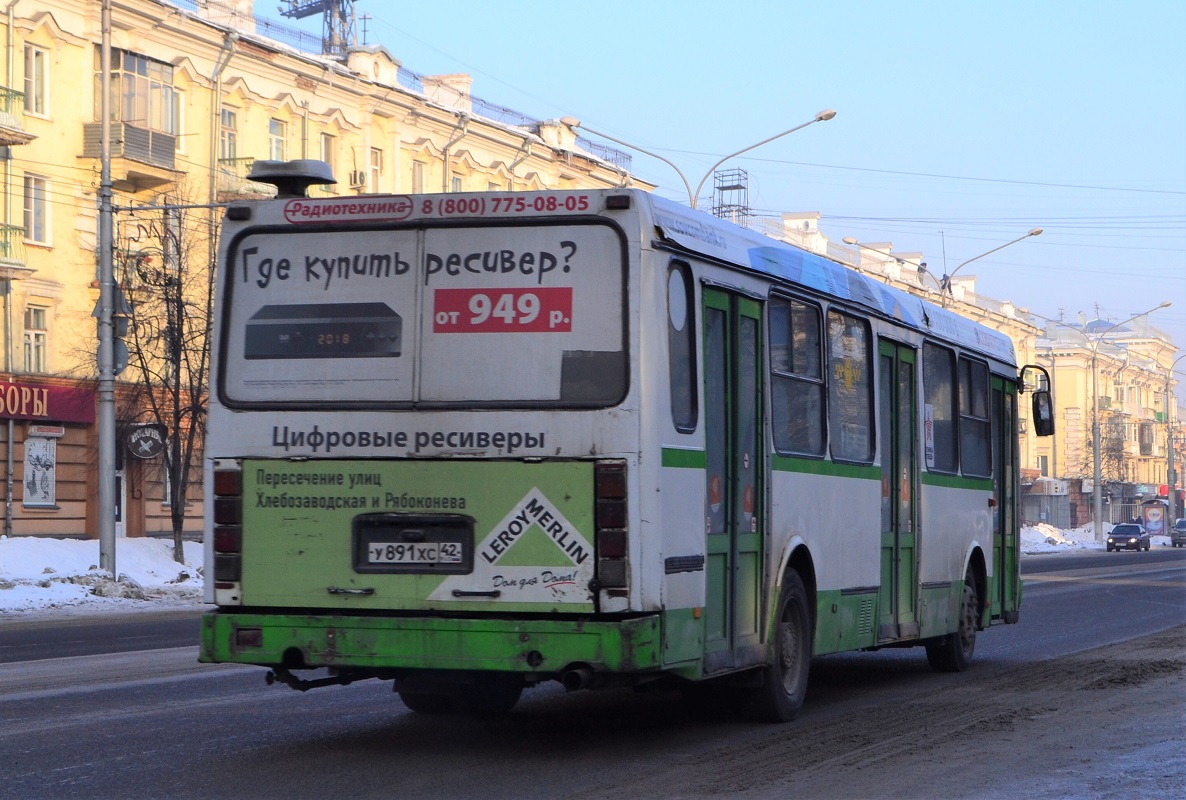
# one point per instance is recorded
(706, 235)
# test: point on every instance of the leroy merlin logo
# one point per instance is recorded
(534, 510)
(532, 555)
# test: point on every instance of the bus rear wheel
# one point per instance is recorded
(489, 694)
(426, 702)
(953, 652)
(784, 686)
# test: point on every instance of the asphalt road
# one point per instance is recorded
(155, 723)
(42, 636)
(46, 636)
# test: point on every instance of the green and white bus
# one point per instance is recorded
(474, 442)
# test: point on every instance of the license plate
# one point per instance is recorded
(410, 553)
(425, 544)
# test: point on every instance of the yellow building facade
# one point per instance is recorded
(198, 92)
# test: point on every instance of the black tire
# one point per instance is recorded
(953, 652)
(427, 702)
(489, 694)
(784, 685)
(1109, 548)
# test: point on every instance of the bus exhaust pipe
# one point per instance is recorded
(576, 679)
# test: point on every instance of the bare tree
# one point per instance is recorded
(1113, 458)
(164, 269)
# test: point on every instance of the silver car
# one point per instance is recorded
(1178, 533)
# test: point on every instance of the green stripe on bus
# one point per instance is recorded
(956, 481)
(813, 466)
(684, 459)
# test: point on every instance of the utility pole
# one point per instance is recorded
(106, 399)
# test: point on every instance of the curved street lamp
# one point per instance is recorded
(921, 266)
(945, 284)
(573, 122)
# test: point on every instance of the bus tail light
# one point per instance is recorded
(228, 528)
(610, 501)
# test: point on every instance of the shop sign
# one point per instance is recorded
(146, 441)
(37, 402)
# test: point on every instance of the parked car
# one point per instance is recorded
(1128, 536)
(1178, 534)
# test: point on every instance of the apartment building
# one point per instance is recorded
(198, 91)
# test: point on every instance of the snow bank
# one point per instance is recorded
(39, 573)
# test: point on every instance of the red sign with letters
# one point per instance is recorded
(536, 309)
(37, 402)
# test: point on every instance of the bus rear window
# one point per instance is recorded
(490, 316)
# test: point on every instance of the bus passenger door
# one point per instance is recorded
(898, 413)
(1004, 593)
(735, 475)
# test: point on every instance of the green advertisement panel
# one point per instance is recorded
(418, 535)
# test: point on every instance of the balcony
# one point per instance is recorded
(12, 252)
(233, 183)
(12, 118)
(141, 159)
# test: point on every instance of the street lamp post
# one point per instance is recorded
(1097, 495)
(945, 284)
(693, 196)
(1170, 478)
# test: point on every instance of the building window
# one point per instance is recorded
(179, 121)
(36, 81)
(797, 377)
(141, 92)
(36, 209)
(456, 185)
(328, 149)
(228, 135)
(277, 140)
(329, 145)
(36, 339)
(417, 177)
(376, 170)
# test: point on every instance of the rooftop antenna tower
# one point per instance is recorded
(730, 198)
(337, 28)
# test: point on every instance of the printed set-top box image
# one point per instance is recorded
(324, 330)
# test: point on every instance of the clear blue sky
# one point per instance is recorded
(959, 125)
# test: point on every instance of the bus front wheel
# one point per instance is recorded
(784, 686)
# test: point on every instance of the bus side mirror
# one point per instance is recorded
(1043, 413)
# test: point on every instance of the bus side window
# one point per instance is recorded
(938, 384)
(681, 347)
(797, 380)
(975, 453)
(850, 388)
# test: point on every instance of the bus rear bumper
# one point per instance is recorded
(539, 647)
